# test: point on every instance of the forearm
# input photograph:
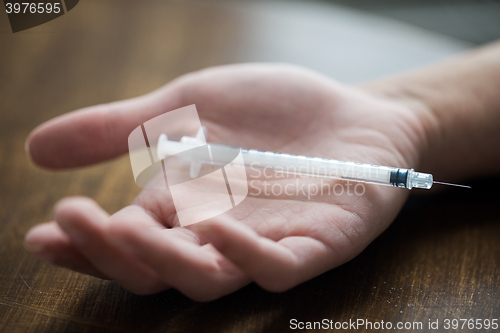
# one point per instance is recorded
(458, 103)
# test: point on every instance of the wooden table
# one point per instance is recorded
(440, 259)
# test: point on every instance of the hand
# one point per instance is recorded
(276, 241)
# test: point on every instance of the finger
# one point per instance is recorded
(275, 266)
(47, 241)
(199, 272)
(158, 203)
(86, 223)
(96, 133)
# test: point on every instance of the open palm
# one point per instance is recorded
(277, 240)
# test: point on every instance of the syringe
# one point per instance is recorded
(291, 164)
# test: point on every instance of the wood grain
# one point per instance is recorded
(440, 259)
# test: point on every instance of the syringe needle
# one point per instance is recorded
(442, 183)
(195, 151)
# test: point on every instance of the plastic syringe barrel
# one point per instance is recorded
(314, 166)
(327, 168)
(322, 167)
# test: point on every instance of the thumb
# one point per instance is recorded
(95, 133)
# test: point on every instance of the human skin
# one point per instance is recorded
(413, 121)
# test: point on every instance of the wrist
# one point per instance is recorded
(458, 106)
(422, 124)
